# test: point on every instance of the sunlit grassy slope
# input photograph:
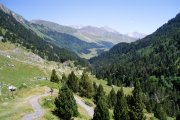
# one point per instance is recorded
(107, 89)
(19, 67)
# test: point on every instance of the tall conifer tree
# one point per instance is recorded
(121, 107)
(66, 106)
(136, 104)
(54, 77)
(73, 82)
(112, 98)
(100, 93)
(85, 86)
(101, 112)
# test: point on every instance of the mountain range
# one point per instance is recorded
(157, 55)
(136, 35)
(150, 66)
(15, 29)
(82, 41)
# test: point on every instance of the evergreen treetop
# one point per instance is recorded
(101, 112)
(121, 107)
(66, 106)
(73, 82)
(54, 77)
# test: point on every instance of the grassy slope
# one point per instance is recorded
(21, 72)
(27, 72)
(107, 89)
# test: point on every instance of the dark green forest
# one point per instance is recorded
(150, 65)
(154, 61)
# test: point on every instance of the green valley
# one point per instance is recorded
(58, 71)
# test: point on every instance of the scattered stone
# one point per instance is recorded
(9, 65)
(41, 78)
(8, 56)
(1, 37)
(6, 98)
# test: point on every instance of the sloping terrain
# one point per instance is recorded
(80, 41)
(159, 48)
(64, 40)
(29, 73)
(89, 34)
(154, 61)
(15, 32)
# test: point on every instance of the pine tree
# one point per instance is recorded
(66, 106)
(121, 107)
(54, 77)
(178, 116)
(109, 81)
(100, 93)
(136, 104)
(85, 86)
(101, 112)
(95, 87)
(64, 78)
(159, 112)
(73, 82)
(112, 98)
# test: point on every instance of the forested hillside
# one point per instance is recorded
(154, 60)
(15, 32)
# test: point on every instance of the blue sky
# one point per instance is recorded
(126, 16)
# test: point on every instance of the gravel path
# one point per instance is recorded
(38, 110)
(88, 109)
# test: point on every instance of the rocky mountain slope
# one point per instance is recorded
(16, 32)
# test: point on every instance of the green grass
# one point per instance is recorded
(19, 74)
(107, 89)
(23, 73)
(7, 46)
(48, 104)
(14, 109)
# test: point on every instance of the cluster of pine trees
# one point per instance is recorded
(127, 107)
(124, 107)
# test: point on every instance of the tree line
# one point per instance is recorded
(154, 61)
(125, 107)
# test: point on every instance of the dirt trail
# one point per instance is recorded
(38, 110)
(88, 109)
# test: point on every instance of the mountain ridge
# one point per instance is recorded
(89, 33)
(15, 32)
(161, 46)
(136, 35)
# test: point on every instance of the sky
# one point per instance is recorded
(125, 16)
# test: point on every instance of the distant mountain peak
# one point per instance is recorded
(108, 29)
(18, 17)
(77, 26)
(54, 26)
(40, 21)
(3, 8)
(136, 35)
(102, 29)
